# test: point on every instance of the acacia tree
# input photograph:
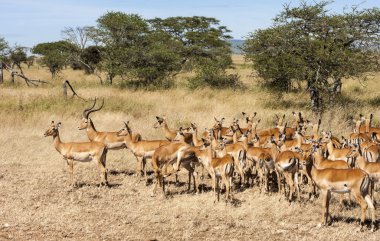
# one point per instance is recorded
(55, 55)
(3, 50)
(129, 48)
(309, 43)
(204, 48)
(201, 38)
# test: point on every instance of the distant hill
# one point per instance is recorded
(235, 45)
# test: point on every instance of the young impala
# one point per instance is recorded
(141, 149)
(169, 134)
(79, 151)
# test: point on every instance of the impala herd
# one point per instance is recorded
(282, 158)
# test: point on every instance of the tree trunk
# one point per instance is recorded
(110, 78)
(12, 77)
(12, 74)
(337, 86)
(316, 100)
(64, 90)
(1, 73)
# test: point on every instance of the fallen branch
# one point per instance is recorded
(28, 81)
(67, 83)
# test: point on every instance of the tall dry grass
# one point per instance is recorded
(37, 205)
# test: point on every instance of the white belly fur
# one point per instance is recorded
(340, 188)
(82, 156)
(115, 145)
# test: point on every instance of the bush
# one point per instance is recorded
(165, 83)
(214, 77)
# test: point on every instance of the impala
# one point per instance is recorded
(315, 127)
(237, 151)
(165, 156)
(79, 151)
(372, 168)
(287, 164)
(141, 149)
(372, 153)
(169, 134)
(219, 168)
(354, 181)
(194, 133)
(110, 139)
(220, 130)
(254, 154)
(322, 163)
(334, 153)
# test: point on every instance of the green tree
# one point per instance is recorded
(310, 43)
(203, 41)
(3, 53)
(129, 48)
(55, 55)
(201, 38)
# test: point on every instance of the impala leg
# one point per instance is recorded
(296, 185)
(363, 205)
(70, 171)
(103, 171)
(278, 181)
(214, 183)
(290, 182)
(227, 183)
(138, 167)
(372, 208)
(217, 189)
(157, 182)
(144, 169)
(196, 182)
(190, 174)
(325, 206)
(163, 185)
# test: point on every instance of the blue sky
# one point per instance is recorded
(28, 22)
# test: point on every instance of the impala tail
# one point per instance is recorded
(229, 169)
(287, 166)
(242, 157)
(366, 185)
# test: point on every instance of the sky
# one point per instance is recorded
(28, 22)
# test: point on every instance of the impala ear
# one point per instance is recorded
(58, 125)
(258, 121)
(223, 119)
(157, 117)
(52, 122)
(243, 113)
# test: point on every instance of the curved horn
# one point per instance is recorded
(84, 114)
(93, 110)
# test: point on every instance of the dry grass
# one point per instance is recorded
(37, 205)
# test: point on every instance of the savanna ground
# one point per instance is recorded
(37, 204)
